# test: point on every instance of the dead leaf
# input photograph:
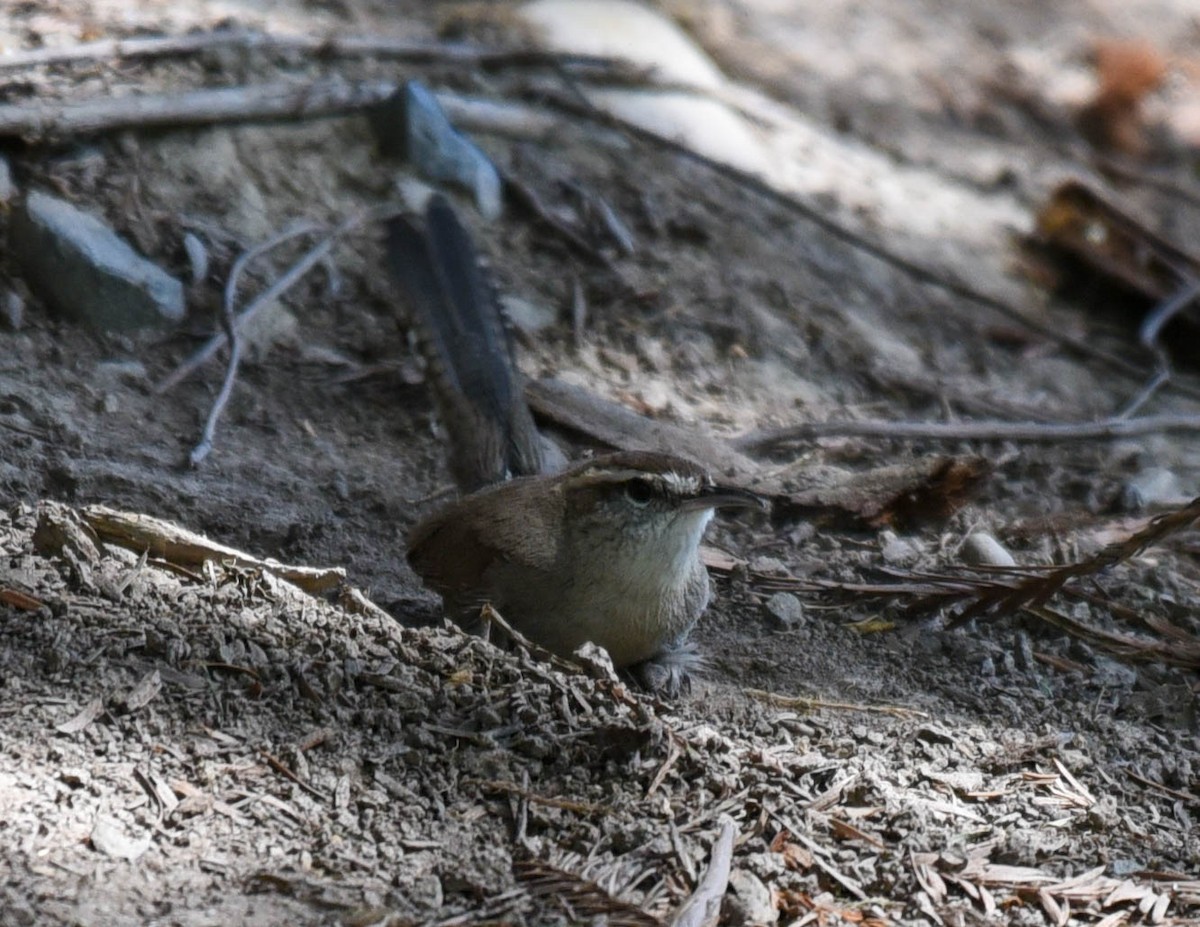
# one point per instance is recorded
(18, 599)
(1126, 71)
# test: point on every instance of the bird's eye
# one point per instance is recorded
(639, 492)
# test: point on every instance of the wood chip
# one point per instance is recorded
(108, 838)
(89, 713)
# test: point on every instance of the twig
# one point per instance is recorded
(818, 856)
(1103, 429)
(229, 326)
(809, 704)
(1158, 786)
(704, 906)
(346, 46)
(181, 547)
(1148, 334)
(288, 774)
(563, 804)
(582, 896)
(312, 257)
(611, 423)
(43, 121)
(524, 196)
(491, 616)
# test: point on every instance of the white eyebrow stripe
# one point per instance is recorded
(681, 484)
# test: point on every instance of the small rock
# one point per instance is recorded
(786, 609)
(896, 550)
(981, 549)
(596, 662)
(109, 839)
(1155, 486)
(529, 317)
(87, 271)
(748, 900)
(7, 186)
(1112, 674)
(125, 370)
(771, 566)
(412, 125)
(197, 257)
(1023, 654)
(75, 777)
(12, 309)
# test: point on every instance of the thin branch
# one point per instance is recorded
(43, 121)
(1148, 334)
(205, 444)
(229, 326)
(265, 298)
(1105, 429)
(329, 47)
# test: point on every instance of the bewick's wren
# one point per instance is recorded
(606, 551)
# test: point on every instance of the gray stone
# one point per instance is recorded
(1153, 487)
(748, 900)
(529, 317)
(7, 186)
(896, 550)
(1112, 674)
(411, 124)
(82, 268)
(1023, 652)
(12, 309)
(197, 257)
(981, 549)
(771, 566)
(786, 610)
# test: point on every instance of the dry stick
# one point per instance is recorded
(268, 296)
(280, 768)
(329, 46)
(812, 704)
(704, 906)
(229, 325)
(1104, 429)
(41, 121)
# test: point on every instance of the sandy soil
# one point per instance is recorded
(218, 747)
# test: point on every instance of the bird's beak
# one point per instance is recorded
(726, 497)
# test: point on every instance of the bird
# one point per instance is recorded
(606, 550)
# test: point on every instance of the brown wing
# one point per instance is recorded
(517, 523)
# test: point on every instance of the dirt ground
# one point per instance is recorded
(206, 747)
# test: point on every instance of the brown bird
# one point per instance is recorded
(606, 551)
